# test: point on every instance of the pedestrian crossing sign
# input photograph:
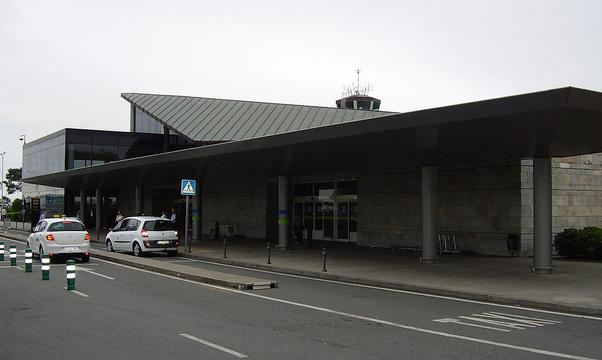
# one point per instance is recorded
(188, 187)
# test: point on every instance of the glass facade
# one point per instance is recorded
(44, 156)
(146, 124)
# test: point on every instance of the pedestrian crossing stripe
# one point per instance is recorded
(498, 321)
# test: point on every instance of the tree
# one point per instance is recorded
(13, 182)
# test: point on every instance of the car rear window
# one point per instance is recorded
(66, 226)
(158, 225)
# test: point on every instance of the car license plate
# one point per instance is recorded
(162, 242)
(71, 249)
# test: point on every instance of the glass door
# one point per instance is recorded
(328, 212)
(343, 221)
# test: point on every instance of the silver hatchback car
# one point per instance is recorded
(143, 234)
(60, 237)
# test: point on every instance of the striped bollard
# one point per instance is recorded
(1, 251)
(13, 255)
(70, 274)
(28, 260)
(45, 267)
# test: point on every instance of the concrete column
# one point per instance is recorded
(429, 215)
(542, 215)
(282, 211)
(82, 205)
(138, 200)
(98, 213)
(133, 118)
(196, 216)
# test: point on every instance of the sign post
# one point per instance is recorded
(187, 188)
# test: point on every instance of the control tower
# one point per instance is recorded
(356, 97)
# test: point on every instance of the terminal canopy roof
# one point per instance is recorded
(553, 123)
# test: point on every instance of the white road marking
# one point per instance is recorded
(19, 267)
(369, 319)
(77, 292)
(492, 319)
(215, 346)
(401, 291)
(455, 321)
(90, 271)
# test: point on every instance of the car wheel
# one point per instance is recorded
(137, 250)
(110, 246)
(86, 258)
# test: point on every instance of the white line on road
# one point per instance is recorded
(215, 346)
(369, 319)
(77, 292)
(401, 291)
(90, 271)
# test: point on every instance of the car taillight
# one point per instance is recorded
(87, 237)
(175, 232)
(49, 237)
(144, 233)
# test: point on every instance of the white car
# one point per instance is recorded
(143, 234)
(60, 237)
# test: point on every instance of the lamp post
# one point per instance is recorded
(2, 187)
(22, 138)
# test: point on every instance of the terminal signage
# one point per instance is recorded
(188, 187)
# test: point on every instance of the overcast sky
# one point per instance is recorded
(65, 63)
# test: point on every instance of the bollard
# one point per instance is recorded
(70, 274)
(324, 260)
(269, 254)
(13, 255)
(28, 260)
(1, 251)
(45, 267)
(225, 247)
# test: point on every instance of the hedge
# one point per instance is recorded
(583, 243)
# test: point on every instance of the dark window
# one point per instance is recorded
(66, 226)
(303, 189)
(324, 189)
(348, 187)
(158, 225)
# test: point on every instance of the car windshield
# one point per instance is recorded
(66, 226)
(158, 225)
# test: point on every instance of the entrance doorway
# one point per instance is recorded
(326, 210)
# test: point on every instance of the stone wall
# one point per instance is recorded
(481, 205)
(242, 203)
(576, 195)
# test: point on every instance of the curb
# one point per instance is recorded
(182, 275)
(579, 310)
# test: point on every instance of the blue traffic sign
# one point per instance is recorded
(188, 187)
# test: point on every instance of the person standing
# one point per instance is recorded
(119, 217)
(173, 216)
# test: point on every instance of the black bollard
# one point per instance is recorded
(225, 247)
(324, 260)
(269, 254)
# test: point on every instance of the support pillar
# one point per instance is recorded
(282, 211)
(138, 200)
(196, 216)
(542, 215)
(429, 215)
(98, 213)
(82, 206)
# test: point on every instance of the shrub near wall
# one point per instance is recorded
(584, 243)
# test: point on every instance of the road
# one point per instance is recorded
(125, 313)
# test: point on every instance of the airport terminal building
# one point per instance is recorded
(518, 168)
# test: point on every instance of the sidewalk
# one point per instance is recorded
(573, 287)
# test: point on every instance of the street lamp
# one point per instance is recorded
(22, 138)
(2, 187)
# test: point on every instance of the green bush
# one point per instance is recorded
(585, 243)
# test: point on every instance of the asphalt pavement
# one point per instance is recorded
(119, 312)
